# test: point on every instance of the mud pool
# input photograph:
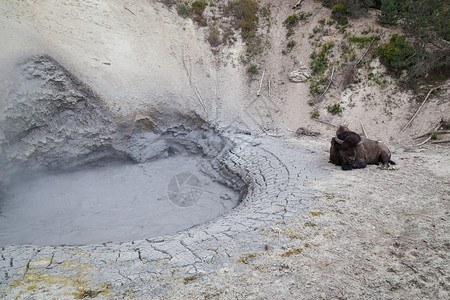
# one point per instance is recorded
(120, 202)
(72, 174)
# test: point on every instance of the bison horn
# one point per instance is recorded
(339, 141)
(360, 143)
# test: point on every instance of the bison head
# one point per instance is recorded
(346, 148)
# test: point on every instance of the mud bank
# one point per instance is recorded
(66, 162)
(274, 183)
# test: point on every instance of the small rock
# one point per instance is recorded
(299, 75)
(304, 131)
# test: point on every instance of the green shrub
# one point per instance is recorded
(290, 45)
(253, 69)
(184, 10)
(319, 60)
(245, 16)
(397, 54)
(214, 37)
(340, 14)
(434, 136)
(317, 86)
(315, 114)
(354, 7)
(291, 20)
(389, 12)
(335, 108)
(303, 16)
(198, 7)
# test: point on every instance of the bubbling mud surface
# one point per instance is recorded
(114, 202)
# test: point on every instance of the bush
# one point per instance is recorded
(389, 12)
(245, 16)
(335, 108)
(319, 60)
(290, 45)
(353, 7)
(253, 69)
(184, 10)
(397, 54)
(291, 20)
(315, 114)
(339, 13)
(426, 22)
(198, 7)
(214, 37)
(317, 86)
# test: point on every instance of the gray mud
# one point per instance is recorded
(115, 202)
(73, 174)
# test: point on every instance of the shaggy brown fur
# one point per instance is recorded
(350, 155)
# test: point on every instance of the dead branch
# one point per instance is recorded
(329, 83)
(129, 10)
(268, 84)
(364, 130)
(431, 132)
(367, 51)
(429, 93)
(325, 122)
(429, 138)
(260, 83)
(424, 142)
(440, 142)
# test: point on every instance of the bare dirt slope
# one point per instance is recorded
(376, 234)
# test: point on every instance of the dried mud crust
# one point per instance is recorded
(279, 178)
(306, 229)
(377, 234)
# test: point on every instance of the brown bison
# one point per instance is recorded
(349, 150)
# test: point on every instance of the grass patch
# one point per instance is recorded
(253, 69)
(184, 10)
(317, 86)
(319, 58)
(363, 39)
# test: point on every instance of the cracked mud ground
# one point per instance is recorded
(306, 229)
